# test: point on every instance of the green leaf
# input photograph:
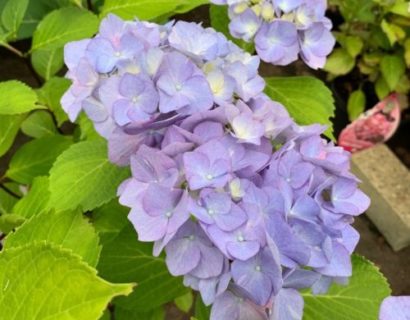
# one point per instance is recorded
(378, 39)
(9, 127)
(393, 32)
(202, 312)
(356, 104)
(35, 12)
(35, 202)
(40, 281)
(106, 315)
(340, 62)
(360, 300)
(354, 45)
(392, 68)
(184, 302)
(64, 25)
(407, 52)
(307, 99)
(36, 157)
(39, 124)
(85, 170)
(66, 229)
(16, 98)
(87, 130)
(404, 85)
(148, 9)
(220, 21)
(47, 62)
(401, 7)
(50, 95)
(110, 219)
(124, 314)
(353, 10)
(8, 222)
(124, 259)
(7, 201)
(382, 88)
(12, 15)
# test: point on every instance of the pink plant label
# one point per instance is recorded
(374, 126)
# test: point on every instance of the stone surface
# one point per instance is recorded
(387, 181)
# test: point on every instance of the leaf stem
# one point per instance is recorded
(10, 192)
(33, 72)
(13, 49)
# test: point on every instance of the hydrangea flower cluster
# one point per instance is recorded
(248, 206)
(283, 29)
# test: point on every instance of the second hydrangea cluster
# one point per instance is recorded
(283, 29)
(248, 206)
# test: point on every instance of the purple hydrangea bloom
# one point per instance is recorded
(283, 29)
(316, 44)
(138, 102)
(218, 207)
(277, 42)
(182, 85)
(207, 166)
(261, 275)
(233, 304)
(241, 199)
(245, 25)
(195, 41)
(395, 308)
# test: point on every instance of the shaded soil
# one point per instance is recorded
(395, 266)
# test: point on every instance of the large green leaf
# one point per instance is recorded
(124, 259)
(64, 25)
(16, 98)
(360, 300)
(148, 9)
(12, 15)
(35, 202)
(307, 99)
(39, 124)
(67, 229)
(35, 12)
(36, 157)
(9, 127)
(83, 176)
(50, 95)
(392, 68)
(40, 281)
(109, 219)
(47, 62)
(124, 314)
